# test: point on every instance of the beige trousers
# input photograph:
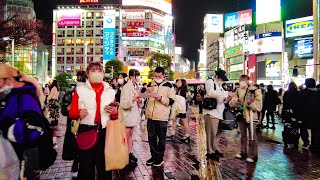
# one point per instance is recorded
(253, 147)
(211, 126)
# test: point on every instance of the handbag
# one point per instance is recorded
(9, 164)
(210, 103)
(88, 139)
(74, 126)
(229, 120)
(116, 146)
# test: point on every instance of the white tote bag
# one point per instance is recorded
(9, 163)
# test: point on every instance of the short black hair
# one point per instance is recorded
(144, 84)
(159, 70)
(237, 84)
(310, 83)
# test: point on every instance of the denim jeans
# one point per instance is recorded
(157, 131)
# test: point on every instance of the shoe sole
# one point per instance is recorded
(149, 164)
(157, 165)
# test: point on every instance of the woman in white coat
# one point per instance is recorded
(129, 109)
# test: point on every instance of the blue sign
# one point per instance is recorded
(109, 44)
(231, 20)
(303, 48)
(266, 35)
(299, 27)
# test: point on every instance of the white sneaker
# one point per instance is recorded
(250, 160)
(178, 124)
(239, 156)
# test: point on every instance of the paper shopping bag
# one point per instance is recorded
(116, 146)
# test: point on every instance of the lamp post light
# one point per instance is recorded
(12, 48)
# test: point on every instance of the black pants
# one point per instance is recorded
(157, 131)
(270, 113)
(315, 141)
(200, 107)
(305, 136)
(94, 158)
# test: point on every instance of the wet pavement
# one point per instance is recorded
(184, 162)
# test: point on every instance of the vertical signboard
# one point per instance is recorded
(109, 35)
(245, 17)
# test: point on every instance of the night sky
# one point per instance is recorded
(189, 14)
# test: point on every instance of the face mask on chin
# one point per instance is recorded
(96, 77)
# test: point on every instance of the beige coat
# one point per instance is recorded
(256, 106)
(129, 111)
(160, 110)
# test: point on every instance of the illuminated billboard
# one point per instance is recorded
(303, 48)
(89, 1)
(69, 18)
(109, 36)
(213, 23)
(268, 11)
(266, 43)
(299, 27)
(162, 5)
(273, 69)
(133, 14)
(240, 18)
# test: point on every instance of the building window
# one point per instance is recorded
(98, 51)
(89, 33)
(60, 51)
(70, 60)
(70, 51)
(79, 68)
(69, 42)
(99, 42)
(89, 24)
(79, 41)
(69, 69)
(89, 15)
(99, 23)
(79, 33)
(60, 69)
(79, 60)
(98, 32)
(79, 50)
(70, 33)
(60, 42)
(90, 51)
(61, 33)
(60, 60)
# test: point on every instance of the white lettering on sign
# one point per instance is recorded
(89, 1)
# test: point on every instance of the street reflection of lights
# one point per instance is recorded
(68, 7)
(105, 7)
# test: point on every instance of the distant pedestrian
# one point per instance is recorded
(122, 80)
(270, 105)
(54, 104)
(157, 112)
(200, 95)
(280, 105)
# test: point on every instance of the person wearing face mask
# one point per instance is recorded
(215, 90)
(91, 103)
(157, 113)
(248, 98)
(129, 108)
(122, 80)
(24, 97)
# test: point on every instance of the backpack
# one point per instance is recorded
(66, 101)
(47, 154)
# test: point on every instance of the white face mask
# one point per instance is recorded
(120, 81)
(96, 77)
(243, 83)
(6, 89)
(158, 81)
(220, 82)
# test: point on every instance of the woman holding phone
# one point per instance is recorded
(93, 104)
(129, 109)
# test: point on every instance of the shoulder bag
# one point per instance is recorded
(210, 103)
(88, 139)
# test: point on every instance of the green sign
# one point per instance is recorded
(235, 51)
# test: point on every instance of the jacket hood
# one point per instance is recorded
(27, 87)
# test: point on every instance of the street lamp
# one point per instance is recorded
(12, 48)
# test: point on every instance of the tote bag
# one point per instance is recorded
(9, 163)
(116, 146)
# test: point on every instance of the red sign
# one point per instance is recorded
(155, 26)
(252, 73)
(135, 23)
(89, 1)
(135, 29)
(135, 34)
(245, 17)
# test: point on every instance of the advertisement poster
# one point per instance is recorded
(109, 36)
(213, 23)
(231, 20)
(273, 69)
(303, 48)
(162, 5)
(245, 17)
(299, 27)
(68, 18)
(266, 43)
(268, 11)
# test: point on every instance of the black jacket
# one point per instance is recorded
(308, 108)
(290, 100)
(271, 100)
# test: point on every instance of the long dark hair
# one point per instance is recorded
(292, 87)
(184, 85)
(55, 84)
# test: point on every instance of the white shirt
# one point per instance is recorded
(219, 94)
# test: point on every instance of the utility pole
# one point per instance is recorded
(315, 39)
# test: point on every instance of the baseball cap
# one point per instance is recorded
(222, 75)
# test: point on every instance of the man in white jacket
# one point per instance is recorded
(211, 117)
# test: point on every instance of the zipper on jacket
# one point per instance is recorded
(154, 102)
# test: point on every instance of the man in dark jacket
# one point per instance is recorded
(270, 104)
(308, 113)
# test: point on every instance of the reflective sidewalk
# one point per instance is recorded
(184, 162)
